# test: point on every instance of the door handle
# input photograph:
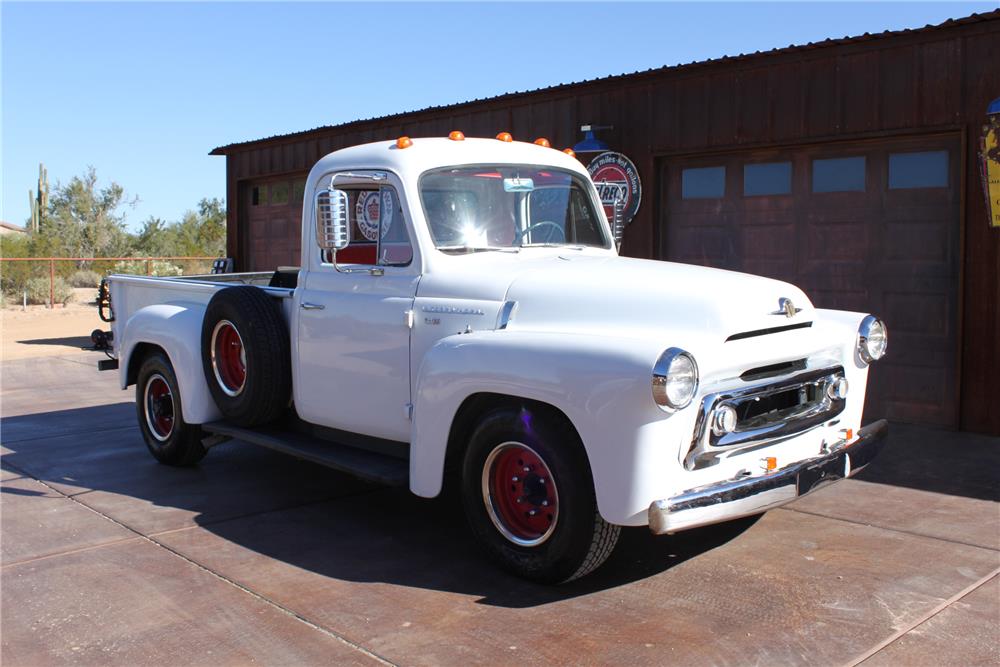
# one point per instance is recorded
(305, 305)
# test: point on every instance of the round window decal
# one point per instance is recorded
(616, 176)
(367, 214)
(374, 213)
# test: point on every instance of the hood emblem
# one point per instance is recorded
(786, 308)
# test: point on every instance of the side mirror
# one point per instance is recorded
(332, 229)
(618, 222)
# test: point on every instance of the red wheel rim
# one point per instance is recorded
(159, 407)
(229, 360)
(520, 494)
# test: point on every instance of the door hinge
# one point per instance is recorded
(408, 411)
(409, 319)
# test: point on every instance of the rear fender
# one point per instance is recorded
(177, 329)
(602, 385)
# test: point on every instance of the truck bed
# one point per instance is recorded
(130, 293)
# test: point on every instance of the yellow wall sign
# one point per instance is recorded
(990, 155)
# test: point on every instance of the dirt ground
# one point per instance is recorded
(40, 331)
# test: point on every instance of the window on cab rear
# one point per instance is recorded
(378, 231)
(488, 207)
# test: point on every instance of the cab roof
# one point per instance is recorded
(435, 152)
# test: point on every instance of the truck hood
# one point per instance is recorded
(576, 292)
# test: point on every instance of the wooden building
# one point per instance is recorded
(848, 167)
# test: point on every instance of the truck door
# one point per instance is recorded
(352, 344)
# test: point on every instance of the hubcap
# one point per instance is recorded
(229, 359)
(520, 494)
(159, 407)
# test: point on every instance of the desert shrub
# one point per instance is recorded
(38, 290)
(85, 278)
(137, 267)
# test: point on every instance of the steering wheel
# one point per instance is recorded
(543, 223)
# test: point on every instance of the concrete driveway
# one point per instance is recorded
(109, 558)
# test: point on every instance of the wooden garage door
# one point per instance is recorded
(273, 210)
(868, 227)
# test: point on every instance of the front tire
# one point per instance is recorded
(169, 438)
(529, 497)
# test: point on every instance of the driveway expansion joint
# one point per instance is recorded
(923, 619)
(786, 508)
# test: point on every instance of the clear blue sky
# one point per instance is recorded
(144, 91)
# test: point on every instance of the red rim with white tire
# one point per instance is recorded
(520, 494)
(229, 358)
(159, 407)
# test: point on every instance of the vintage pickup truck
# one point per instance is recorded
(461, 316)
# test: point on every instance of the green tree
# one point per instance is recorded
(85, 220)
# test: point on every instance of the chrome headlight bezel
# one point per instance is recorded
(869, 325)
(662, 370)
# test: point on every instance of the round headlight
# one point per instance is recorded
(675, 379)
(873, 338)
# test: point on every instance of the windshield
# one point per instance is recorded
(490, 207)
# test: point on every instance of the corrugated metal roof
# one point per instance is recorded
(792, 48)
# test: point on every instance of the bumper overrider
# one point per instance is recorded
(751, 495)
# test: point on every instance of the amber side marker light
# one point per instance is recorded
(541, 141)
(456, 135)
(505, 136)
(404, 142)
(770, 463)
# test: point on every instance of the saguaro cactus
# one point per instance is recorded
(40, 202)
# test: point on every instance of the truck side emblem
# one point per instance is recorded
(786, 308)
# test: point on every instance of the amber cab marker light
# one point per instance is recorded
(404, 142)
(505, 136)
(456, 135)
(543, 142)
(570, 152)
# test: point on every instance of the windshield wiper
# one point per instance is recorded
(552, 245)
(475, 248)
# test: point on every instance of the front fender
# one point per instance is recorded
(177, 329)
(601, 384)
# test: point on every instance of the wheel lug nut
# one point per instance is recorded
(520, 500)
(527, 469)
(532, 512)
(541, 480)
(545, 503)
(515, 478)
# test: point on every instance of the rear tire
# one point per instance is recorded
(246, 355)
(170, 439)
(529, 497)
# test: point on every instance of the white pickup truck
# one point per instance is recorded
(461, 316)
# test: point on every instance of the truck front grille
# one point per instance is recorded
(766, 413)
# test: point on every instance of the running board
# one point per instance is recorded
(367, 465)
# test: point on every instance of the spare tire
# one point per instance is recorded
(246, 355)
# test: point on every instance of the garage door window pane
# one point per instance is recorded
(842, 174)
(279, 194)
(703, 183)
(767, 178)
(918, 170)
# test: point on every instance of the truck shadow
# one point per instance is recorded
(269, 506)
(261, 507)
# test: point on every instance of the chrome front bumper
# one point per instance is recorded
(751, 495)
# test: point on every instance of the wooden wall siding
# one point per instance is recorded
(981, 288)
(906, 83)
